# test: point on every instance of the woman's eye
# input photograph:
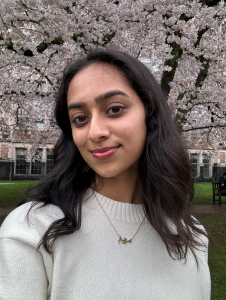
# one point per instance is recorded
(80, 119)
(115, 110)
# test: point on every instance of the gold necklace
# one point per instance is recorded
(120, 240)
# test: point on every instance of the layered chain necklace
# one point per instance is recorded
(120, 240)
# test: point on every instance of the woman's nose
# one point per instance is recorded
(98, 129)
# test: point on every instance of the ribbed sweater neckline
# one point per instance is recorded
(126, 212)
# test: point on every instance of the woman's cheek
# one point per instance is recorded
(78, 138)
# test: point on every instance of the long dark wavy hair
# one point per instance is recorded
(164, 172)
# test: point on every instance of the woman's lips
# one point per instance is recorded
(104, 152)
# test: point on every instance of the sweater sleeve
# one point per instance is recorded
(22, 274)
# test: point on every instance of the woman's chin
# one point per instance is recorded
(107, 173)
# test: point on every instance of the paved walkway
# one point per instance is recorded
(208, 208)
(5, 211)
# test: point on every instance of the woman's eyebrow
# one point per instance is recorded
(109, 94)
(98, 99)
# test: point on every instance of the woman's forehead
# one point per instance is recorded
(96, 81)
(101, 70)
(98, 78)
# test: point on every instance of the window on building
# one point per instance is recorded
(194, 163)
(49, 161)
(206, 163)
(222, 157)
(20, 161)
(36, 163)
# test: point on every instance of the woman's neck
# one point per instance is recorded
(122, 188)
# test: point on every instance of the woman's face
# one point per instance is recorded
(107, 120)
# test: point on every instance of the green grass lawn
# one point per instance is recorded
(215, 224)
(204, 195)
(12, 194)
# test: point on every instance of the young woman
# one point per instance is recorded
(112, 219)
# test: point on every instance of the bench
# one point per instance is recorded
(216, 192)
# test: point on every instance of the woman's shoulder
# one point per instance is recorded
(29, 228)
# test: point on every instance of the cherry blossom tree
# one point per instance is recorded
(39, 37)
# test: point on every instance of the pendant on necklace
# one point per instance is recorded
(124, 241)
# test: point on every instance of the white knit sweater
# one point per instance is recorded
(89, 264)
